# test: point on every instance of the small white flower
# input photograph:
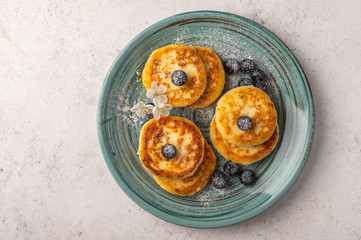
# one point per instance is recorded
(142, 109)
(162, 111)
(157, 94)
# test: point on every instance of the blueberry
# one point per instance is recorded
(244, 123)
(219, 179)
(247, 177)
(169, 151)
(258, 76)
(231, 66)
(248, 66)
(262, 86)
(179, 78)
(244, 82)
(231, 168)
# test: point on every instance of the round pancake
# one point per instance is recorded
(215, 77)
(191, 185)
(249, 101)
(180, 132)
(242, 155)
(164, 61)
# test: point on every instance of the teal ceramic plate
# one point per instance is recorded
(229, 36)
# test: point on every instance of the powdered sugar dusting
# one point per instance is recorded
(132, 119)
(181, 34)
(205, 113)
(123, 105)
(225, 45)
(209, 194)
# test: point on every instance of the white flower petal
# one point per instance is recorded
(161, 111)
(168, 106)
(137, 106)
(156, 113)
(138, 112)
(162, 89)
(160, 100)
(142, 109)
(149, 107)
(154, 86)
(150, 93)
(133, 109)
(164, 112)
(157, 102)
(141, 114)
(163, 99)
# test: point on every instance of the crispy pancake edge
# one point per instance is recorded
(215, 78)
(228, 128)
(203, 173)
(147, 133)
(151, 72)
(224, 147)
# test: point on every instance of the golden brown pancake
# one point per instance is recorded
(249, 101)
(215, 77)
(181, 133)
(191, 185)
(164, 61)
(241, 155)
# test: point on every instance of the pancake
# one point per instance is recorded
(241, 155)
(164, 61)
(215, 77)
(181, 133)
(249, 101)
(191, 185)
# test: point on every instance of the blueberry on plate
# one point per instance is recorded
(219, 179)
(231, 66)
(247, 66)
(247, 177)
(262, 86)
(244, 82)
(231, 168)
(244, 123)
(179, 78)
(169, 151)
(258, 76)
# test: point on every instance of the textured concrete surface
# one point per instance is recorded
(54, 183)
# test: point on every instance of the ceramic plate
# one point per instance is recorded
(229, 36)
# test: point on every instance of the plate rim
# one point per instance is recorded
(150, 208)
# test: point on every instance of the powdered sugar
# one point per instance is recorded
(122, 113)
(210, 194)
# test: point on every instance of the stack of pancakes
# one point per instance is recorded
(193, 164)
(202, 66)
(244, 147)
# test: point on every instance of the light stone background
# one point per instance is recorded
(54, 183)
